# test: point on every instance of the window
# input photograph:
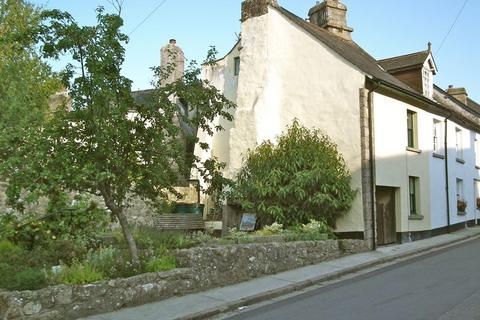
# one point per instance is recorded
(236, 66)
(437, 136)
(427, 87)
(477, 152)
(461, 202)
(411, 129)
(459, 143)
(413, 194)
(459, 189)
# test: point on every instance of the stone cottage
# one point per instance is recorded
(412, 147)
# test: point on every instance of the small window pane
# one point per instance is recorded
(237, 66)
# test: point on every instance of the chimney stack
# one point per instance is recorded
(331, 15)
(255, 8)
(172, 61)
(458, 93)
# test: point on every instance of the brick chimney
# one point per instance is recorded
(331, 15)
(458, 93)
(255, 8)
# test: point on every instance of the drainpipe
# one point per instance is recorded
(445, 146)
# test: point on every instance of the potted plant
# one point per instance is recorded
(461, 205)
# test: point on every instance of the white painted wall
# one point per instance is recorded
(394, 164)
(285, 73)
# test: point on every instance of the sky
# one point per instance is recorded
(384, 28)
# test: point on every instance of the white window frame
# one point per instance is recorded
(477, 151)
(459, 143)
(438, 146)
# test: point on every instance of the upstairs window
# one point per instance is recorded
(437, 136)
(236, 66)
(411, 129)
(459, 143)
(427, 82)
(477, 151)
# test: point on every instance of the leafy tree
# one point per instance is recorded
(106, 144)
(302, 177)
(26, 82)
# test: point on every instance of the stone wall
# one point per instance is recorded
(202, 268)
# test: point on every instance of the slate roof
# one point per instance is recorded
(473, 104)
(348, 49)
(405, 61)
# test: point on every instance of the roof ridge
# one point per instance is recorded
(404, 55)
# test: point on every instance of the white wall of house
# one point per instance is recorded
(285, 73)
(395, 163)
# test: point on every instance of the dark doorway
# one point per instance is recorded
(386, 230)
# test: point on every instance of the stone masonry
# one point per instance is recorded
(202, 268)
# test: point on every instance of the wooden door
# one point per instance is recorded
(386, 229)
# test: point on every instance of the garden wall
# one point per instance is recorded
(201, 268)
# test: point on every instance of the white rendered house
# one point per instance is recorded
(404, 139)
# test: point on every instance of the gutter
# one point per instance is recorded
(418, 97)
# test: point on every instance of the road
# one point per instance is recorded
(442, 286)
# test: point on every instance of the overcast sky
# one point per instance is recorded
(384, 28)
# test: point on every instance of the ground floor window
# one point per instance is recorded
(413, 195)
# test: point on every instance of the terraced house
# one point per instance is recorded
(412, 147)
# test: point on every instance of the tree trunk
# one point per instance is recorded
(132, 246)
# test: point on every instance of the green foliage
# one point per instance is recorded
(80, 220)
(150, 238)
(108, 145)
(164, 263)
(273, 229)
(302, 177)
(15, 271)
(79, 273)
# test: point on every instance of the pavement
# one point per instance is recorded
(207, 304)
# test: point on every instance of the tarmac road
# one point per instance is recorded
(442, 286)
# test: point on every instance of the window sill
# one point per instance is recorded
(414, 150)
(439, 156)
(461, 213)
(415, 217)
(459, 160)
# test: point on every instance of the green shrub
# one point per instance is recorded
(164, 263)
(273, 229)
(79, 219)
(79, 273)
(302, 177)
(55, 253)
(151, 238)
(106, 260)
(11, 253)
(29, 279)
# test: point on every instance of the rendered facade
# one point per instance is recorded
(407, 142)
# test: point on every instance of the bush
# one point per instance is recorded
(79, 273)
(303, 177)
(80, 220)
(164, 263)
(29, 279)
